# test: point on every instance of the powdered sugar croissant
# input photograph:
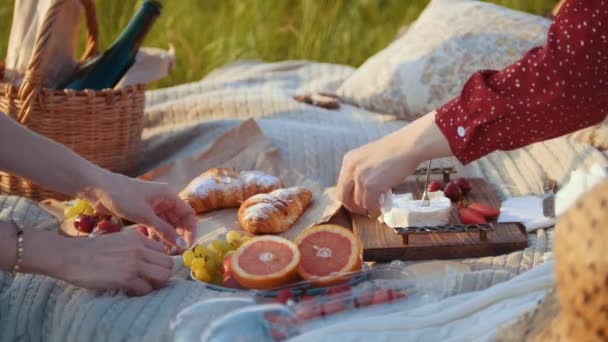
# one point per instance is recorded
(274, 212)
(220, 188)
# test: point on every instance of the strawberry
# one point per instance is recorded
(434, 186)
(333, 306)
(108, 227)
(308, 311)
(484, 210)
(464, 185)
(338, 289)
(283, 296)
(470, 216)
(364, 299)
(382, 296)
(142, 229)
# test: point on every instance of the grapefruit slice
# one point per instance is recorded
(327, 252)
(265, 262)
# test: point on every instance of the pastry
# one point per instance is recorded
(220, 188)
(274, 212)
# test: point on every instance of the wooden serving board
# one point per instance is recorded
(382, 243)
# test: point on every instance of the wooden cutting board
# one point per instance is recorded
(382, 243)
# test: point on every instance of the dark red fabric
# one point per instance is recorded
(553, 90)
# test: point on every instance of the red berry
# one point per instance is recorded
(284, 295)
(338, 289)
(84, 223)
(364, 299)
(382, 296)
(332, 307)
(307, 298)
(464, 185)
(470, 216)
(108, 227)
(142, 229)
(308, 311)
(452, 191)
(434, 186)
(277, 335)
(484, 210)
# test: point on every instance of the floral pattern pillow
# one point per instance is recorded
(429, 64)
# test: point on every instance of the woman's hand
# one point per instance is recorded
(371, 170)
(150, 203)
(122, 261)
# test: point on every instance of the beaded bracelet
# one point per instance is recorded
(19, 260)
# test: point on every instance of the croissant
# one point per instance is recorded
(274, 212)
(220, 188)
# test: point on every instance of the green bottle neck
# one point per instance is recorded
(136, 30)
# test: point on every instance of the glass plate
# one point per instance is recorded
(298, 289)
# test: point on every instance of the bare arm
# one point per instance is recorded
(52, 165)
(44, 161)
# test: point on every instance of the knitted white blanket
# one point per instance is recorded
(184, 119)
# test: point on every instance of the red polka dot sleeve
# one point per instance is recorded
(553, 90)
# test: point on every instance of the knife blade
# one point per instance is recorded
(549, 198)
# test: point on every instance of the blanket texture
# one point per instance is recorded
(185, 119)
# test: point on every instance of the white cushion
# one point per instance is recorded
(427, 66)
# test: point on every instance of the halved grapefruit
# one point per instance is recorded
(328, 251)
(265, 262)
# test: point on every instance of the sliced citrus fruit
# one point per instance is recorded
(328, 251)
(265, 262)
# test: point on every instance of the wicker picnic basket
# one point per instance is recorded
(102, 126)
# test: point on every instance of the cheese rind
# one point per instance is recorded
(403, 211)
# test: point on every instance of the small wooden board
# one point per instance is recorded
(382, 243)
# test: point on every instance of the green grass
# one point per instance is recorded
(210, 33)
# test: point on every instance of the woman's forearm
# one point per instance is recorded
(30, 155)
(44, 252)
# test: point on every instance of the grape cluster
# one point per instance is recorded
(211, 263)
(88, 222)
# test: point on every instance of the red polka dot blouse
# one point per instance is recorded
(553, 90)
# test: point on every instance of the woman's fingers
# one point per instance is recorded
(155, 274)
(152, 243)
(158, 258)
(138, 287)
(162, 228)
(358, 198)
(371, 201)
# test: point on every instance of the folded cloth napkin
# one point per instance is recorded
(528, 210)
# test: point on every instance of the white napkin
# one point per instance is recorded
(527, 210)
(579, 183)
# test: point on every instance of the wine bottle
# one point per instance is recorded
(106, 70)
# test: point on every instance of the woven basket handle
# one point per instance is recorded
(32, 82)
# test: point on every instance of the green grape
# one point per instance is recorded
(233, 237)
(188, 257)
(71, 212)
(202, 275)
(212, 264)
(81, 205)
(221, 246)
(200, 251)
(211, 249)
(198, 263)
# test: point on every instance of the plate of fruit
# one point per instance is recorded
(321, 257)
(81, 220)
